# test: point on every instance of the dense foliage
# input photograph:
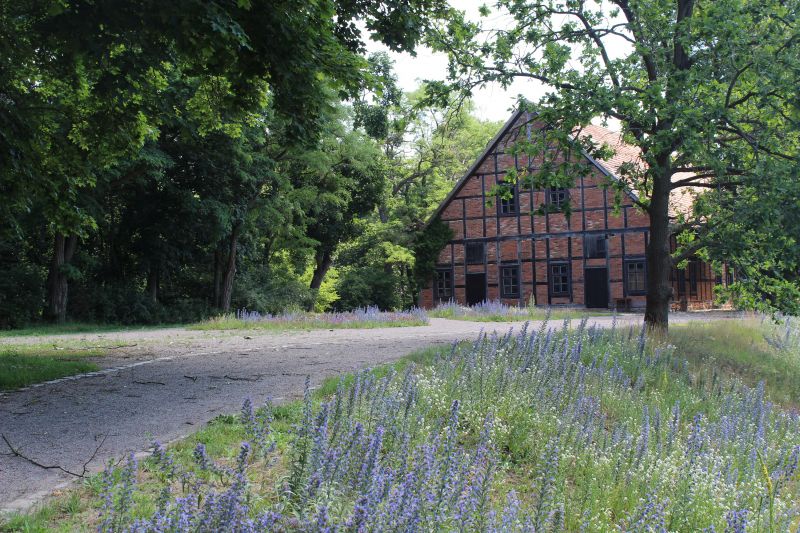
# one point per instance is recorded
(244, 169)
(549, 430)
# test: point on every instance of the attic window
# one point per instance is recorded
(507, 202)
(557, 197)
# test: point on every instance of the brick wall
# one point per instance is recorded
(534, 240)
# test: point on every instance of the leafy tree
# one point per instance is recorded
(83, 83)
(706, 91)
(348, 177)
(427, 149)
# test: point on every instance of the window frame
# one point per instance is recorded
(595, 239)
(437, 286)
(551, 278)
(512, 203)
(558, 190)
(634, 291)
(472, 261)
(516, 277)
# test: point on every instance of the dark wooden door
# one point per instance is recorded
(596, 287)
(476, 288)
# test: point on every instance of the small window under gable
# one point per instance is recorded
(507, 203)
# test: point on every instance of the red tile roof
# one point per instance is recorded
(681, 200)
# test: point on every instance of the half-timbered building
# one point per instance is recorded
(510, 249)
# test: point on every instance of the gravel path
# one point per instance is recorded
(167, 383)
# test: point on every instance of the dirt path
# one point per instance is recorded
(166, 383)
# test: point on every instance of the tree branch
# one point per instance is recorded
(16, 453)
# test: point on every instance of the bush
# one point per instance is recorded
(272, 292)
(366, 286)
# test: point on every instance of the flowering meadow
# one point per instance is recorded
(497, 311)
(369, 317)
(556, 429)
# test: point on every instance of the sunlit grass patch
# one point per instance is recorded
(368, 318)
(24, 365)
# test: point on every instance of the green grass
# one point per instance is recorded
(22, 365)
(72, 327)
(737, 348)
(306, 324)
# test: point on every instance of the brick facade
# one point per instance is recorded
(544, 256)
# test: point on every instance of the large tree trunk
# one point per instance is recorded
(57, 280)
(323, 261)
(659, 260)
(230, 270)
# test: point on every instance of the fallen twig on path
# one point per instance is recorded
(16, 453)
(236, 378)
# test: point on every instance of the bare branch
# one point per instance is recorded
(17, 453)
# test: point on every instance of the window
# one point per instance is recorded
(559, 279)
(507, 203)
(509, 276)
(557, 197)
(475, 253)
(636, 277)
(444, 284)
(594, 246)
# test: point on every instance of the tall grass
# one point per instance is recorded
(550, 430)
(751, 350)
(369, 317)
(497, 311)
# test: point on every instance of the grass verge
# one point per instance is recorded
(21, 366)
(73, 327)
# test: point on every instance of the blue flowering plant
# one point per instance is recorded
(368, 317)
(568, 428)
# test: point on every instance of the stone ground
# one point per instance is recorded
(167, 383)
